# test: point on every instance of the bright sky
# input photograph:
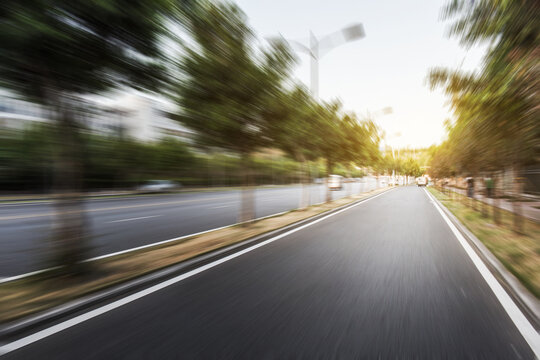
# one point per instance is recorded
(404, 39)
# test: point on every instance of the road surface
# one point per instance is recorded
(118, 224)
(386, 279)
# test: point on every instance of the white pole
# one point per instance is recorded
(314, 53)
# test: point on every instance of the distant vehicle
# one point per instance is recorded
(318, 181)
(159, 186)
(335, 182)
(421, 181)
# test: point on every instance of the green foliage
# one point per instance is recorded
(54, 51)
(227, 86)
(411, 167)
(233, 97)
(27, 160)
(497, 121)
(61, 46)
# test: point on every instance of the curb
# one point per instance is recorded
(14, 329)
(527, 302)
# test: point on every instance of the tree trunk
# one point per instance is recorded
(349, 183)
(473, 195)
(329, 167)
(304, 198)
(484, 200)
(247, 212)
(308, 183)
(496, 201)
(516, 203)
(70, 238)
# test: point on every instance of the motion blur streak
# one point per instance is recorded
(136, 135)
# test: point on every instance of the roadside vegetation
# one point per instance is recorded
(26, 159)
(519, 253)
(496, 123)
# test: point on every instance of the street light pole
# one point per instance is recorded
(317, 48)
(314, 54)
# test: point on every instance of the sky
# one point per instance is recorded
(404, 40)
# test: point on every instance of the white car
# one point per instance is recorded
(159, 186)
(335, 182)
(421, 181)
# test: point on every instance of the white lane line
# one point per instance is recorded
(220, 207)
(132, 219)
(523, 325)
(21, 276)
(173, 239)
(17, 344)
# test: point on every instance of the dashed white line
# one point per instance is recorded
(220, 207)
(132, 219)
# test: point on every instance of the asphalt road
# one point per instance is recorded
(122, 223)
(386, 279)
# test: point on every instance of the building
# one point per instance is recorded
(18, 114)
(144, 118)
(131, 115)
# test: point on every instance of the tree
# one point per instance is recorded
(412, 168)
(496, 109)
(360, 141)
(291, 125)
(329, 136)
(224, 85)
(52, 52)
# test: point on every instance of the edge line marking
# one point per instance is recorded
(523, 325)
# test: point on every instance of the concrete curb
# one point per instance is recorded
(527, 302)
(12, 330)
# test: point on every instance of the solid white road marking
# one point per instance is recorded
(132, 219)
(523, 325)
(17, 344)
(21, 276)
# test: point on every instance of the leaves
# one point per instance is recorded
(496, 110)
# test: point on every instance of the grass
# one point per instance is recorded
(44, 291)
(519, 253)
